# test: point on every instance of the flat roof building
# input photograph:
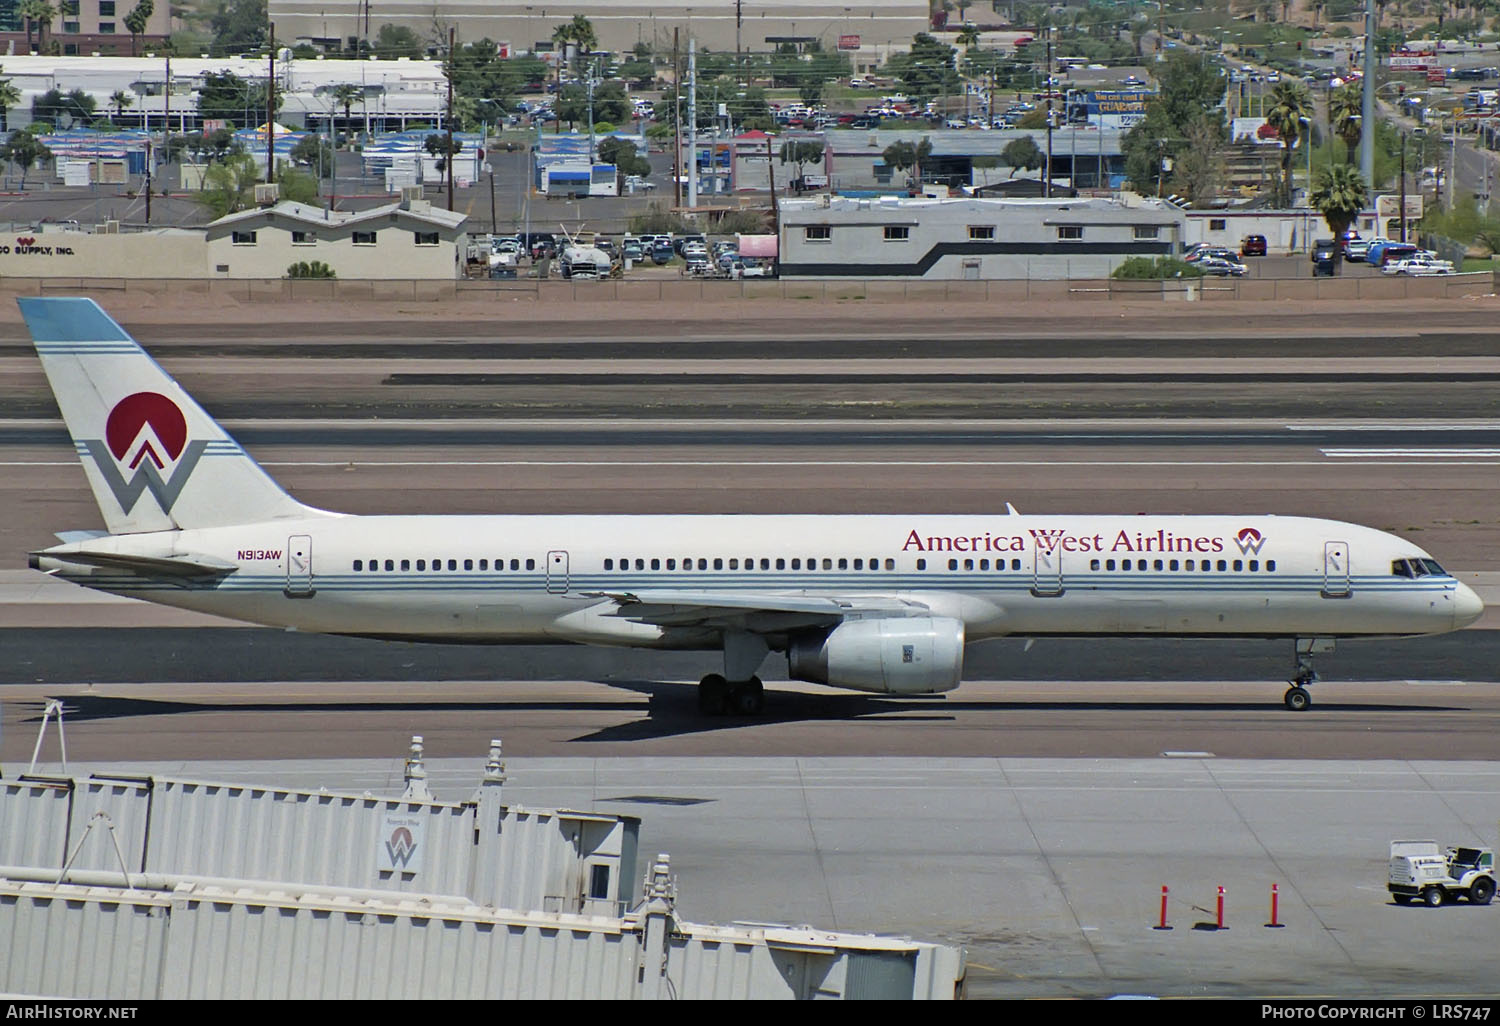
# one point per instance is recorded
(722, 25)
(971, 238)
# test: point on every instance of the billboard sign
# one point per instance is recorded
(1116, 108)
(1387, 207)
(848, 42)
(1410, 61)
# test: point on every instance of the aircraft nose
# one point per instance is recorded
(1467, 606)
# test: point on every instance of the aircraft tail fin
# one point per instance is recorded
(154, 459)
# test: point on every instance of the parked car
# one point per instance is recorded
(661, 253)
(1196, 255)
(1418, 267)
(1356, 249)
(1382, 252)
(1253, 245)
(1323, 253)
(1221, 267)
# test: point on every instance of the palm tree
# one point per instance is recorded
(10, 96)
(344, 95)
(37, 13)
(119, 100)
(1344, 108)
(136, 21)
(1291, 106)
(581, 31)
(968, 36)
(1338, 193)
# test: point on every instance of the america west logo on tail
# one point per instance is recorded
(145, 433)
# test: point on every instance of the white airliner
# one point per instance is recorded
(871, 603)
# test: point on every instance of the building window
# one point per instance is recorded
(364, 238)
(1146, 231)
(1217, 224)
(818, 233)
(1070, 231)
(897, 233)
(981, 232)
(106, 8)
(304, 238)
(242, 238)
(883, 174)
(106, 28)
(70, 27)
(421, 238)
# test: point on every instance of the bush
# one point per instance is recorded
(745, 222)
(315, 269)
(1146, 269)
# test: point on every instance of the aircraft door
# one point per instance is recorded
(1047, 571)
(1335, 570)
(557, 571)
(299, 568)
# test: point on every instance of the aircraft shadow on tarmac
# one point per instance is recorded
(671, 709)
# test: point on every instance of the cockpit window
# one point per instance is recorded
(1417, 568)
(1400, 568)
(1432, 566)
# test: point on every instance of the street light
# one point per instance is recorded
(1307, 142)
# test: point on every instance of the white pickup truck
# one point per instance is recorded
(1421, 869)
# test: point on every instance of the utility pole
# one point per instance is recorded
(676, 124)
(692, 168)
(1367, 105)
(452, 38)
(775, 206)
(148, 181)
(1047, 84)
(271, 109)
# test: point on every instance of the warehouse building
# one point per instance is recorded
(970, 238)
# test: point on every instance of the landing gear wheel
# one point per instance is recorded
(713, 695)
(1297, 699)
(1482, 892)
(1433, 896)
(747, 698)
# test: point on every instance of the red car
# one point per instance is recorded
(1253, 245)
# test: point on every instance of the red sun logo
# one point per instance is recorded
(128, 422)
(26, 242)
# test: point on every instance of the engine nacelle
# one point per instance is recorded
(903, 656)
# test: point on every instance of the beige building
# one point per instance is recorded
(406, 240)
(722, 25)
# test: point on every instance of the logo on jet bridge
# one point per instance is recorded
(1249, 541)
(147, 434)
(401, 847)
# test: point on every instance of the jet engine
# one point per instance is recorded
(903, 656)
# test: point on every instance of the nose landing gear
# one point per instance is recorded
(1297, 697)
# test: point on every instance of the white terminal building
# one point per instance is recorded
(393, 94)
(972, 238)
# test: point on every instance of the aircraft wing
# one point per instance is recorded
(751, 611)
(178, 565)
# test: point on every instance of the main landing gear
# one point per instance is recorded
(737, 691)
(1297, 697)
(718, 696)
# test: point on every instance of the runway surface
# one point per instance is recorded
(1376, 418)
